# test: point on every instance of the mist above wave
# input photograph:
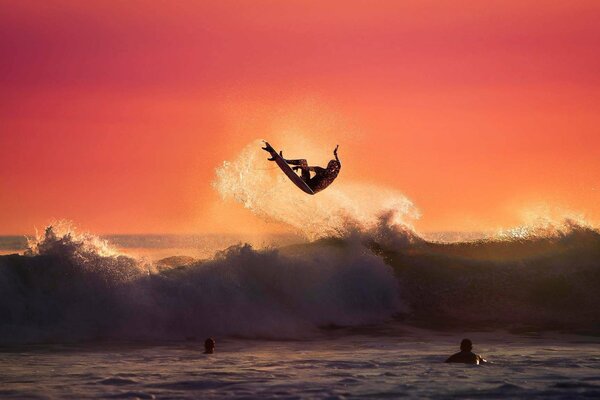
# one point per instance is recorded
(266, 192)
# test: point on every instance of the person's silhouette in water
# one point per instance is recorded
(466, 356)
(322, 178)
(209, 346)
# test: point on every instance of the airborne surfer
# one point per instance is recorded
(322, 178)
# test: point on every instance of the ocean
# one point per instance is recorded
(382, 363)
(368, 313)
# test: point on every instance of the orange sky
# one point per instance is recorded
(116, 114)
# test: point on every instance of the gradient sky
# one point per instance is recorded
(115, 114)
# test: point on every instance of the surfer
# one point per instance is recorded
(465, 355)
(209, 346)
(322, 177)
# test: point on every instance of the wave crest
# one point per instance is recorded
(544, 228)
(61, 237)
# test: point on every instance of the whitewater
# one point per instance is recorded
(359, 305)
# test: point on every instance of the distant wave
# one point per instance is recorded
(546, 279)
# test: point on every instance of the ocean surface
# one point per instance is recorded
(383, 363)
(363, 313)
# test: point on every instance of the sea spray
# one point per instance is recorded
(270, 195)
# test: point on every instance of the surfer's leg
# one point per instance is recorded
(301, 162)
(305, 174)
(303, 166)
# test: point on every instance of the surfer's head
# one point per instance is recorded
(209, 346)
(466, 345)
(334, 165)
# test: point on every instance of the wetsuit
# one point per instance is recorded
(465, 357)
(323, 176)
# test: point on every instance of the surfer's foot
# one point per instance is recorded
(271, 150)
(268, 147)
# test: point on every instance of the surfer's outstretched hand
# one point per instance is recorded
(335, 150)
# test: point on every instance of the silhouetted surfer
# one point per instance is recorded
(466, 356)
(322, 178)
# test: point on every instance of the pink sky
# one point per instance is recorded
(115, 114)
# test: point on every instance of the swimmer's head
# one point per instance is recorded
(466, 345)
(209, 346)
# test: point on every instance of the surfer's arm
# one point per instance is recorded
(335, 153)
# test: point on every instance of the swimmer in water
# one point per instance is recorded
(209, 346)
(466, 356)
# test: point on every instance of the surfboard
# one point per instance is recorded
(287, 170)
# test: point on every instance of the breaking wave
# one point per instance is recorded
(73, 287)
